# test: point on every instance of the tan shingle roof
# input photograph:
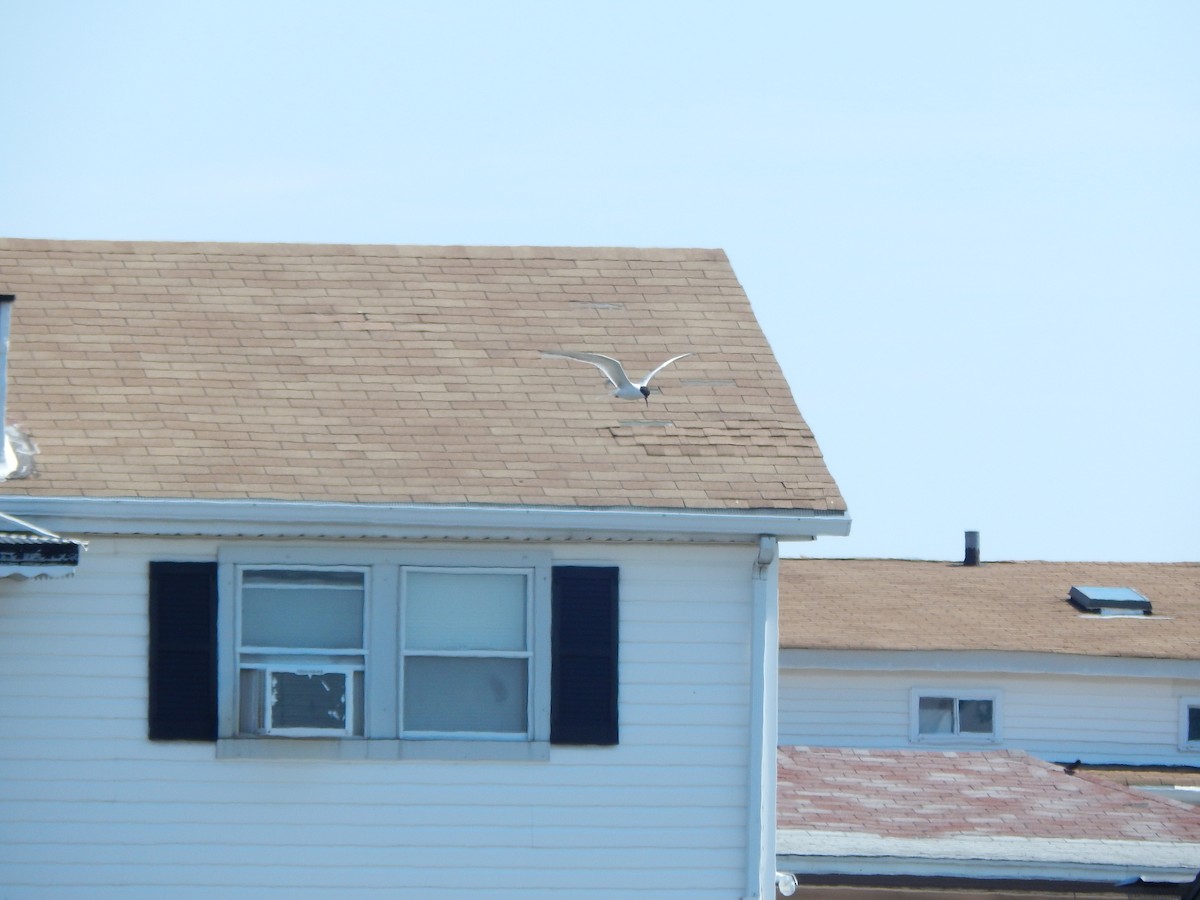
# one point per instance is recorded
(879, 604)
(397, 374)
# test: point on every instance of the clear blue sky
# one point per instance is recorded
(971, 231)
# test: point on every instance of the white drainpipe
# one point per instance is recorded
(9, 464)
(764, 692)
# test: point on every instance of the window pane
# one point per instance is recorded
(456, 694)
(1193, 723)
(465, 611)
(300, 700)
(975, 716)
(302, 609)
(935, 715)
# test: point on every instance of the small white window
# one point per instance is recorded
(1189, 723)
(951, 716)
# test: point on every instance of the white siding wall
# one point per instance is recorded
(1096, 718)
(89, 808)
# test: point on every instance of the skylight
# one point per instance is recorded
(1110, 601)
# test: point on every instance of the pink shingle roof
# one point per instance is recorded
(397, 374)
(881, 604)
(923, 794)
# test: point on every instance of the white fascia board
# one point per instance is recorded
(985, 856)
(988, 661)
(280, 518)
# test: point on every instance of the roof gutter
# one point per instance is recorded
(280, 518)
(988, 870)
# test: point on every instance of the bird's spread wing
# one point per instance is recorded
(646, 380)
(606, 364)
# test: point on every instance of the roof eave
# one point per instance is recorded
(990, 870)
(1167, 664)
(278, 518)
(815, 852)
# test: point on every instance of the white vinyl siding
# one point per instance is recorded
(1060, 717)
(92, 808)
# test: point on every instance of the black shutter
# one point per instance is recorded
(583, 679)
(183, 651)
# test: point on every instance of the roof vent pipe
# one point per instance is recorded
(971, 558)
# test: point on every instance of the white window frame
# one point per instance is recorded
(403, 653)
(291, 659)
(1185, 704)
(382, 735)
(958, 695)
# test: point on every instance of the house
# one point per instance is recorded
(952, 824)
(375, 600)
(1095, 662)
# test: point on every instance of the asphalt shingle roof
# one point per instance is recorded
(999, 793)
(882, 604)
(397, 374)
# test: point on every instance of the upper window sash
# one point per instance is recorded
(342, 639)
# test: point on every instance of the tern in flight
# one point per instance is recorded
(623, 388)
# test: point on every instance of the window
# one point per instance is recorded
(301, 657)
(947, 716)
(1110, 601)
(1189, 723)
(386, 651)
(464, 640)
(399, 653)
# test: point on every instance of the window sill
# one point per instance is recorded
(955, 740)
(385, 750)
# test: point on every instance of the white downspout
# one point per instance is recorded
(8, 460)
(764, 722)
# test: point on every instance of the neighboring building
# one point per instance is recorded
(951, 825)
(376, 600)
(1061, 660)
